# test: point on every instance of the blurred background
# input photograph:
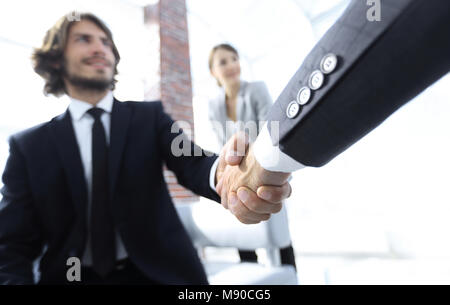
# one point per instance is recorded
(378, 213)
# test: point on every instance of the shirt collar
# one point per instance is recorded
(241, 92)
(78, 108)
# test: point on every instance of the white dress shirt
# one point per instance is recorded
(271, 157)
(82, 124)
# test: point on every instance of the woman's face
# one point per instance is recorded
(226, 67)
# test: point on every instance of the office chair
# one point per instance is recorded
(210, 225)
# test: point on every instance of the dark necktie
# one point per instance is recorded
(102, 228)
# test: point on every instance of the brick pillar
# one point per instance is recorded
(169, 77)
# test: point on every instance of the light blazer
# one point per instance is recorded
(381, 66)
(253, 104)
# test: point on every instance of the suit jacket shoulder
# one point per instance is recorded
(32, 136)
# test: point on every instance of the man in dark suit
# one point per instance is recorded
(89, 184)
(356, 76)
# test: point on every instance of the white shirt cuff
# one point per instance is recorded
(271, 157)
(212, 175)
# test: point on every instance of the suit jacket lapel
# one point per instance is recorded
(120, 119)
(63, 134)
(241, 103)
(62, 131)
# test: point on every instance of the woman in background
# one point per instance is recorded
(240, 103)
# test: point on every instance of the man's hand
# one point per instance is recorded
(250, 192)
(232, 153)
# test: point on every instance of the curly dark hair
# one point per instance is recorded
(48, 60)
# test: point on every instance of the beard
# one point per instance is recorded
(85, 83)
(91, 84)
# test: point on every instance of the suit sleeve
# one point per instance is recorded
(190, 163)
(20, 238)
(381, 66)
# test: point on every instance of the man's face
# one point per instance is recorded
(89, 58)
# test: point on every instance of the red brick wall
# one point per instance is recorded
(174, 87)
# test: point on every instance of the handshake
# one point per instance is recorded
(249, 191)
